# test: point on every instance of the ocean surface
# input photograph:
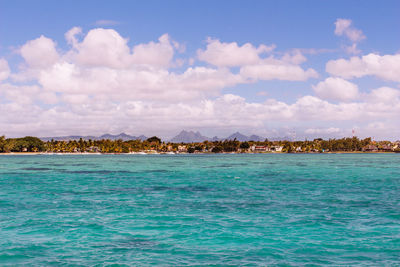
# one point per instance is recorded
(173, 210)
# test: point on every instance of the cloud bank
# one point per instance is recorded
(102, 84)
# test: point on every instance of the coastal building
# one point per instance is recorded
(396, 145)
(277, 148)
(385, 148)
(370, 148)
(182, 148)
(261, 149)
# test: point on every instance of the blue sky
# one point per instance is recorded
(256, 102)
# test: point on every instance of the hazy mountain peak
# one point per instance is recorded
(189, 137)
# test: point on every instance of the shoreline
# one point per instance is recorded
(184, 153)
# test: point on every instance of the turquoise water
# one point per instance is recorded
(329, 209)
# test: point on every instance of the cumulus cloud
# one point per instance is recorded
(231, 54)
(40, 53)
(103, 48)
(84, 114)
(386, 67)
(384, 95)
(135, 84)
(102, 84)
(155, 54)
(107, 48)
(336, 89)
(253, 65)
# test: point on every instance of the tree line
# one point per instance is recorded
(34, 144)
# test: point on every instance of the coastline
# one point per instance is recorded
(185, 153)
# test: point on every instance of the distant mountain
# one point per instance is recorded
(122, 136)
(189, 137)
(256, 138)
(192, 137)
(182, 137)
(238, 136)
(141, 137)
(215, 138)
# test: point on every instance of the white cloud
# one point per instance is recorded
(84, 113)
(107, 48)
(103, 48)
(103, 85)
(336, 89)
(231, 54)
(345, 27)
(40, 53)
(294, 57)
(4, 69)
(253, 66)
(384, 95)
(133, 84)
(386, 67)
(155, 54)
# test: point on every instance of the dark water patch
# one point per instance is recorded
(303, 180)
(21, 162)
(227, 165)
(97, 172)
(123, 189)
(37, 169)
(156, 171)
(159, 188)
(126, 244)
(224, 165)
(195, 188)
(134, 242)
(269, 174)
(58, 164)
(83, 164)
(362, 203)
(232, 205)
(232, 164)
(180, 188)
(80, 193)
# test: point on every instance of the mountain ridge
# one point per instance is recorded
(122, 136)
(182, 137)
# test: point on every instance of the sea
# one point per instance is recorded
(200, 210)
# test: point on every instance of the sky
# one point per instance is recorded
(304, 69)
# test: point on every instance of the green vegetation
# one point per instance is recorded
(155, 144)
(25, 144)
